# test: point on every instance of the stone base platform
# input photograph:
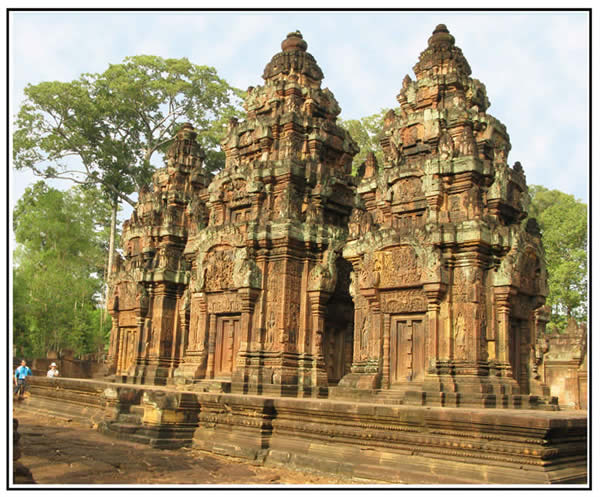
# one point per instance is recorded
(375, 442)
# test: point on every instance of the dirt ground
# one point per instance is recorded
(58, 451)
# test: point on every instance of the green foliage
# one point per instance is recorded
(563, 222)
(103, 129)
(57, 274)
(366, 133)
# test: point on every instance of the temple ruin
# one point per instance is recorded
(292, 313)
(415, 281)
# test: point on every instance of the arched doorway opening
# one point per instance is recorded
(338, 336)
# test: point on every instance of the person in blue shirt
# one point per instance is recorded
(21, 375)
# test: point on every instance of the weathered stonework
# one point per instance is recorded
(375, 443)
(564, 365)
(416, 283)
(412, 296)
(239, 284)
(449, 286)
(149, 299)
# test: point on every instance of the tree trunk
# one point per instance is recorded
(111, 248)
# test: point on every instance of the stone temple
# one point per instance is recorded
(416, 281)
(387, 324)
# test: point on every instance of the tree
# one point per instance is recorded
(366, 133)
(62, 243)
(103, 129)
(563, 223)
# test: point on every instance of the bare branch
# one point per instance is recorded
(155, 147)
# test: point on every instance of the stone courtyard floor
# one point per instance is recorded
(58, 451)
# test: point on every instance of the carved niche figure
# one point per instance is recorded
(446, 146)
(467, 145)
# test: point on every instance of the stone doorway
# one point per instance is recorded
(227, 344)
(407, 349)
(337, 352)
(338, 337)
(127, 348)
(518, 353)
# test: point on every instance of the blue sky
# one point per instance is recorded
(534, 64)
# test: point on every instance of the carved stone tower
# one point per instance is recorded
(279, 275)
(450, 286)
(148, 302)
(266, 314)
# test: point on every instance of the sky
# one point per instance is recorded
(535, 65)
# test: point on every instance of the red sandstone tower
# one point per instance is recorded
(450, 285)
(257, 298)
(148, 303)
(418, 282)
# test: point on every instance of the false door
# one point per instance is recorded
(407, 349)
(227, 345)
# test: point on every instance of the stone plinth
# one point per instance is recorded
(379, 443)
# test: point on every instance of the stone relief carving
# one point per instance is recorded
(218, 271)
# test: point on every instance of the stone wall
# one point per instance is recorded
(565, 366)
(68, 366)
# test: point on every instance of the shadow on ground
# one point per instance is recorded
(58, 451)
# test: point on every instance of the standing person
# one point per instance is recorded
(52, 372)
(21, 375)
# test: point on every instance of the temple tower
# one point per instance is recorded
(450, 283)
(269, 309)
(148, 303)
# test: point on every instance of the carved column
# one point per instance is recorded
(385, 380)
(139, 321)
(212, 338)
(537, 385)
(502, 297)
(248, 297)
(200, 333)
(318, 304)
(184, 320)
(193, 341)
(374, 359)
(435, 349)
(245, 372)
(113, 349)
(122, 352)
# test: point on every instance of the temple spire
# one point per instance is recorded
(441, 56)
(294, 41)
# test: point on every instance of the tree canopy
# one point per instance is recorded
(57, 274)
(103, 129)
(366, 133)
(563, 223)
